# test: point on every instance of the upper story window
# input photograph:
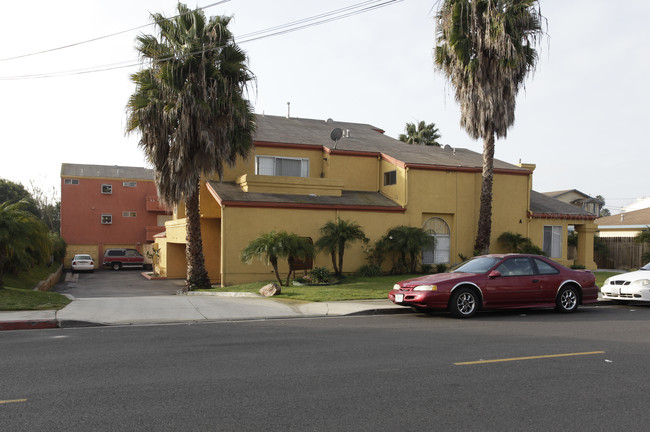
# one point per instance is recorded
(129, 184)
(281, 166)
(107, 189)
(129, 214)
(107, 219)
(390, 178)
(71, 181)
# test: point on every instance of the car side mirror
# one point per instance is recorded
(494, 274)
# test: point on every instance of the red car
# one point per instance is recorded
(499, 282)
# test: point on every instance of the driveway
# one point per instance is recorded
(109, 283)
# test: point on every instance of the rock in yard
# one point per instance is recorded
(270, 290)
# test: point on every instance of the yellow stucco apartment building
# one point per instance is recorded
(298, 178)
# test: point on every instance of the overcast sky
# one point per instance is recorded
(582, 117)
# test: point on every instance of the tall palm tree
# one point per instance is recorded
(486, 48)
(335, 237)
(190, 110)
(422, 133)
(24, 239)
(272, 246)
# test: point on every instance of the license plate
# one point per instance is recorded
(399, 298)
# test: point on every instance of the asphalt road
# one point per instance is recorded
(122, 283)
(384, 373)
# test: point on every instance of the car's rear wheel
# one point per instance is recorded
(116, 266)
(567, 299)
(464, 303)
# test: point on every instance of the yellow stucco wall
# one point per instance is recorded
(250, 223)
(451, 195)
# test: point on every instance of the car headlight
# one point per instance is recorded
(642, 282)
(396, 287)
(426, 288)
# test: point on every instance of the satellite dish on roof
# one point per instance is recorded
(336, 134)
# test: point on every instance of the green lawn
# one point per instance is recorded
(601, 276)
(19, 295)
(351, 288)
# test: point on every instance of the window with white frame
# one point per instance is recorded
(130, 184)
(71, 181)
(129, 214)
(438, 253)
(107, 189)
(107, 219)
(553, 241)
(281, 166)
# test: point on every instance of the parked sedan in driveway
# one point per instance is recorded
(82, 262)
(628, 286)
(499, 282)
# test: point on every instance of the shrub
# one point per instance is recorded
(426, 268)
(441, 268)
(369, 270)
(320, 274)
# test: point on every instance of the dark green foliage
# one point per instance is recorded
(274, 245)
(335, 237)
(517, 243)
(320, 275)
(426, 269)
(406, 244)
(369, 270)
(644, 237)
(421, 134)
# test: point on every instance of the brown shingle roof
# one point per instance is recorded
(228, 193)
(636, 217)
(365, 138)
(545, 206)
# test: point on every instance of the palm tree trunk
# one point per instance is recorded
(482, 243)
(274, 264)
(197, 276)
(290, 261)
(341, 251)
(336, 269)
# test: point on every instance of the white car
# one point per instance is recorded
(628, 286)
(82, 262)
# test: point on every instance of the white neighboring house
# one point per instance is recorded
(640, 203)
(625, 224)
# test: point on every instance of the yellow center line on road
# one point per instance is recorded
(528, 358)
(12, 401)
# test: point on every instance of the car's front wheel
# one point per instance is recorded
(464, 303)
(567, 300)
(116, 266)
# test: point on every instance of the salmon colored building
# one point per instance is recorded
(108, 207)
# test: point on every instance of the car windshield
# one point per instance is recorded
(646, 267)
(83, 257)
(478, 265)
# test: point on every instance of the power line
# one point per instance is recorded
(97, 38)
(301, 24)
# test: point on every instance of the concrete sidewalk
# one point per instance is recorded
(184, 308)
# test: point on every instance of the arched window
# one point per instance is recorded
(439, 254)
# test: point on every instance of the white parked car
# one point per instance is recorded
(83, 262)
(628, 286)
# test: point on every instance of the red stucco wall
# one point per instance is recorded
(83, 204)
